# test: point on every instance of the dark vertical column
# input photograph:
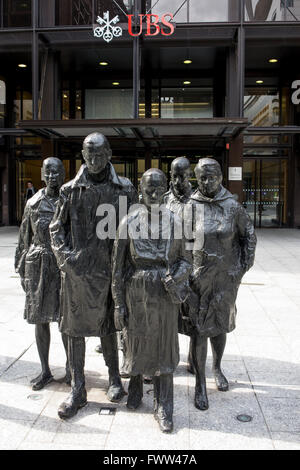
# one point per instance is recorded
(219, 87)
(136, 65)
(148, 92)
(235, 99)
(148, 159)
(50, 93)
(235, 159)
(47, 148)
(4, 215)
(72, 90)
(234, 10)
(47, 12)
(35, 61)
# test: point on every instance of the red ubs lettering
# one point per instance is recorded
(153, 25)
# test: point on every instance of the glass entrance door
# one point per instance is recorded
(265, 191)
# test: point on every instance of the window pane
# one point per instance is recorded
(261, 107)
(186, 103)
(212, 11)
(2, 102)
(80, 12)
(108, 104)
(266, 10)
(16, 13)
(197, 11)
(168, 6)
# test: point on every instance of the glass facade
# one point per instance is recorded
(2, 103)
(16, 13)
(272, 10)
(186, 103)
(261, 107)
(85, 12)
(265, 192)
(195, 11)
(22, 106)
(109, 104)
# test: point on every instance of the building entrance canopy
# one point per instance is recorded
(143, 133)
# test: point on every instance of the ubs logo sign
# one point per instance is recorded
(108, 29)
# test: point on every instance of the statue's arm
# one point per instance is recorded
(247, 238)
(119, 265)
(60, 230)
(24, 242)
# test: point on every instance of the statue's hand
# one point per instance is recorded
(121, 317)
(23, 283)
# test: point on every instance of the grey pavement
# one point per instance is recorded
(261, 361)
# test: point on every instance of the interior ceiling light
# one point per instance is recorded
(259, 82)
(103, 63)
(22, 66)
(188, 61)
(273, 61)
(187, 82)
(65, 96)
(116, 83)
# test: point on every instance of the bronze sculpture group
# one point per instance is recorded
(143, 280)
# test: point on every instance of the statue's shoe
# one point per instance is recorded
(133, 401)
(165, 424)
(72, 404)
(148, 380)
(41, 381)
(190, 368)
(124, 374)
(201, 401)
(221, 381)
(115, 391)
(98, 349)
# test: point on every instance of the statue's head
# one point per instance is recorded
(209, 176)
(96, 152)
(53, 173)
(153, 187)
(180, 175)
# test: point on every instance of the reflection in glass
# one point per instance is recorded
(186, 103)
(141, 168)
(16, 13)
(22, 106)
(261, 107)
(272, 10)
(80, 12)
(265, 191)
(108, 104)
(195, 11)
(65, 105)
(2, 102)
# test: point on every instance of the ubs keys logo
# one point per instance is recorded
(107, 28)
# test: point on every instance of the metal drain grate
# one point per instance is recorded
(244, 418)
(35, 397)
(107, 411)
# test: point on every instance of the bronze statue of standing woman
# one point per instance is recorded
(220, 261)
(36, 264)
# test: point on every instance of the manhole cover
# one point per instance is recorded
(35, 397)
(244, 418)
(106, 411)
